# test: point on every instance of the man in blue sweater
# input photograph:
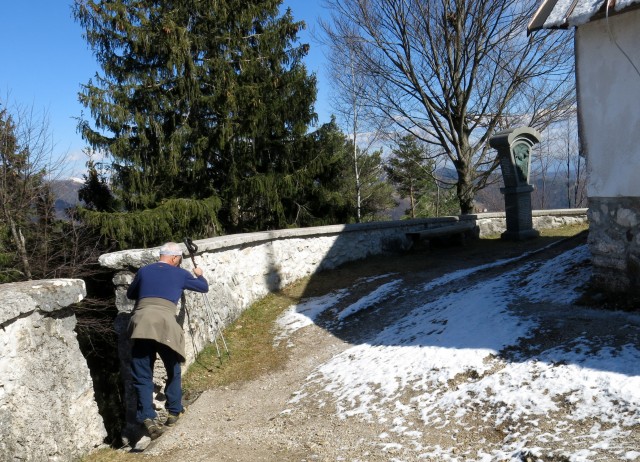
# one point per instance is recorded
(154, 330)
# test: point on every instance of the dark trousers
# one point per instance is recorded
(143, 357)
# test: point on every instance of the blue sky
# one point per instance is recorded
(44, 60)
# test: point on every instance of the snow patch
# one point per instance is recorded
(442, 362)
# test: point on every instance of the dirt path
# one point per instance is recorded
(264, 420)
(249, 422)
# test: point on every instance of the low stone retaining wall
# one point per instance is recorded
(47, 405)
(495, 223)
(244, 268)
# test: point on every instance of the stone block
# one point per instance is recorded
(627, 218)
(614, 243)
(47, 406)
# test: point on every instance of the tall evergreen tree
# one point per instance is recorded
(200, 101)
(373, 198)
(320, 199)
(412, 172)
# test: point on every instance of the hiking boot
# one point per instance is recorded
(172, 419)
(154, 429)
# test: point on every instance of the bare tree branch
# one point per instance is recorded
(452, 72)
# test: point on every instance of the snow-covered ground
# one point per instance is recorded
(481, 365)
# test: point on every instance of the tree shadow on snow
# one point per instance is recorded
(511, 300)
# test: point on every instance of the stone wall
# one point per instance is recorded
(47, 406)
(495, 223)
(614, 241)
(245, 267)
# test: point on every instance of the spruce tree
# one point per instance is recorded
(198, 101)
(321, 198)
(95, 193)
(412, 172)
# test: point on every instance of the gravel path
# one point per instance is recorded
(249, 423)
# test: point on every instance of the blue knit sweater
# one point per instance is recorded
(164, 281)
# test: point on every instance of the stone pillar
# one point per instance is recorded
(514, 152)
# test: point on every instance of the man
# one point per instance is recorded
(153, 328)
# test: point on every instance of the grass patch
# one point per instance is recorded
(547, 236)
(250, 342)
(565, 231)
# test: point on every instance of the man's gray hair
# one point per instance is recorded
(171, 248)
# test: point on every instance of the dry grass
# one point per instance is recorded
(565, 231)
(250, 342)
(111, 455)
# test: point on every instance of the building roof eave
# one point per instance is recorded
(540, 16)
(563, 14)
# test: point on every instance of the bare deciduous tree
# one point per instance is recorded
(557, 169)
(27, 165)
(575, 171)
(452, 72)
(350, 103)
(22, 187)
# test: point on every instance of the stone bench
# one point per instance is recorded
(458, 232)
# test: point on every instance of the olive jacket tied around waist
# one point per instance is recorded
(155, 319)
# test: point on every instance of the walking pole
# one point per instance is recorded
(214, 318)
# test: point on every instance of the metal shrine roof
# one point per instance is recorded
(562, 14)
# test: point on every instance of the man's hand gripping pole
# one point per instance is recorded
(192, 248)
(214, 317)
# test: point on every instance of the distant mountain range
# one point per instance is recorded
(66, 194)
(548, 195)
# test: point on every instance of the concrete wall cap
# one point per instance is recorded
(46, 295)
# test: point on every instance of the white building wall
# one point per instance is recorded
(609, 102)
